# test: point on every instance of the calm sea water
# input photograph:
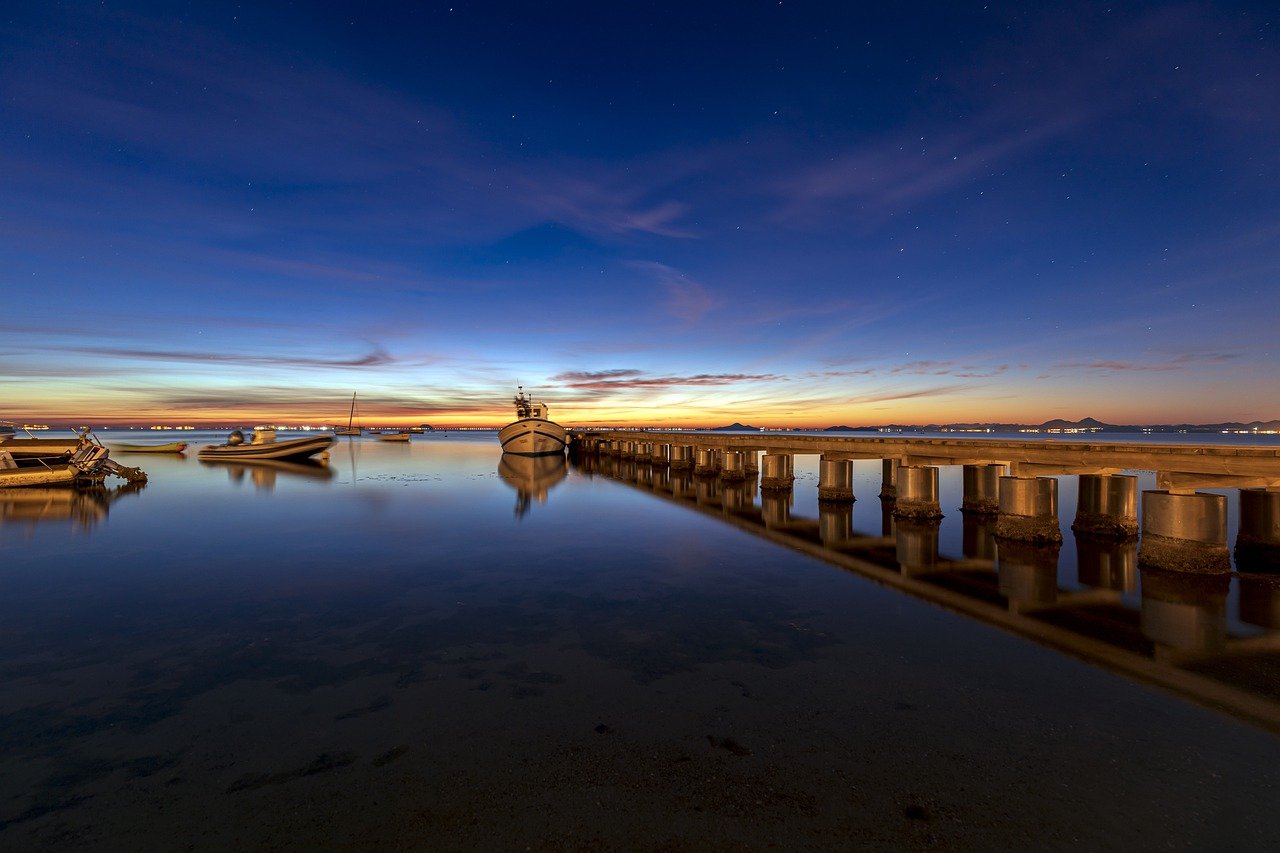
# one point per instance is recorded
(424, 645)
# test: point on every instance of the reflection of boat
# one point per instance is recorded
(263, 445)
(531, 434)
(263, 471)
(88, 463)
(531, 476)
(171, 447)
(403, 435)
(353, 421)
(82, 507)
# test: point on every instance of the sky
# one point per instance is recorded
(669, 214)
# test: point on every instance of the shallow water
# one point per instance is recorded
(418, 645)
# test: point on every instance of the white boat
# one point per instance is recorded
(353, 422)
(531, 434)
(403, 435)
(263, 445)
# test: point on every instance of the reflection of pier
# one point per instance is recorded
(1173, 634)
(1183, 528)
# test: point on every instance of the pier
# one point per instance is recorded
(1153, 606)
(1013, 482)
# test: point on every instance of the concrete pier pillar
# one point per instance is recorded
(1028, 572)
(917, 492)
(1184, 532)
(1105, 562)
(775, 507)
(835, 522)
(681, 457)
(835, 479)
(1107, 505)
(661, 454)
(889, 479)
(615, 447)
(734, 467)
(982, 488)
(751, 461)
(978, 537)
(777, 471)
(1184, 611)
(706, 461)
(916, 545)
(1029, 509)
(1258, 541)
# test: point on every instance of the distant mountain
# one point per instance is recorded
(733, 427)
(1087, 423)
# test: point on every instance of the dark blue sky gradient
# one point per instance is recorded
(793, 214)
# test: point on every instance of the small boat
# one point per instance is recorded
(263, 445)
(531, 434)
(171, 447)
(403, 435)
(7, 430)
(353, 421)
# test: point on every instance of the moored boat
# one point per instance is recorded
(171, 447)
(263, 445)
(353, 421)
(403, 435)
(532, 433)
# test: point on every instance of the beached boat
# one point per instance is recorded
(353, 421)
(90, 462)
(531, 434)
(41, 448)
(263, 445)
(171, 447)
(403, 435)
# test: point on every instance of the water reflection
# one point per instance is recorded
(532, 477)
(263, 472)
(83, 508)
(1169, 628)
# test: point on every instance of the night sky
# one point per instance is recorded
(686, 213)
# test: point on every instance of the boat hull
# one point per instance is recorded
(173, 447)
(294, 448)
(532, 437)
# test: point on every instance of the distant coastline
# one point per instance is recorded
(1084, 426)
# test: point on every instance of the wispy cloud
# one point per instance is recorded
(1181, 362)
(687, 299)
(373, 359)
(627, 379)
